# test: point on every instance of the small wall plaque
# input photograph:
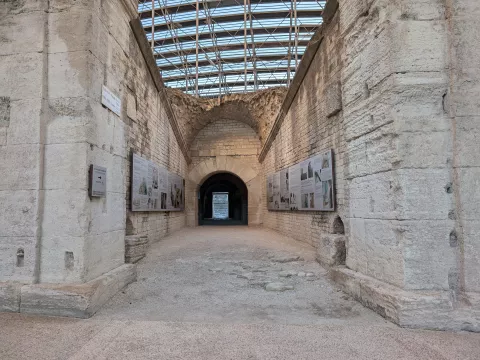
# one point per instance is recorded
(111, 101)
(97, 186)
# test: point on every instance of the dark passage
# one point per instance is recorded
(237, 200)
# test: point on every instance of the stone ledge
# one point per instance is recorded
(412, 309)
(135, 248)
(73, 300)
(330, 250)
(10, 296)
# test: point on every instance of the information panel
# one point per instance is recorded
(220, 205)
(154, 188)
(307, 186)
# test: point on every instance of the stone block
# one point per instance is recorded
(65, 5)
(66, 166)
(356, 248)
(467, 136)
(420, 194)
(384, 251)
(32, 27)
(372, 153)
(471, 245)
(135, 248)
(116, 21)
(428, 256)
(75, 74)
(421, 11)
(68, 214)
(17, 258)
(71, 120)
(425, 149)
(18, 213)
(70, 30)
(411, 309)
(62, 259)
(23, 7)
(108, 213)
(25, 122)
(466, 90)
(469, 185)
(374, 196)
(20, 167)
(3, 136)
(330, 249)
(75, 300)
(21, 76)
(419, 46)
(104, 252)
(10, 296)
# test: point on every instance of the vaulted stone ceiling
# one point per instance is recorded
(257, 109)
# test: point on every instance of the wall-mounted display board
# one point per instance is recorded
(307, 186)
(154, 188)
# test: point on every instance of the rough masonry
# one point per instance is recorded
(391, 86)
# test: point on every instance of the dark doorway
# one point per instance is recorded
(237, 200)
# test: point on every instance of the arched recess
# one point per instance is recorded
(224, 164)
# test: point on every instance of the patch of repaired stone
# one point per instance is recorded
(278, 286)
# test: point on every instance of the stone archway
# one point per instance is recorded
(224, 164)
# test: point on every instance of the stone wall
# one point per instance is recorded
(225, 137)
(463, 109)
(313, 124)
(403, 132)
(53, 126)
(23, 62)
(225, 145)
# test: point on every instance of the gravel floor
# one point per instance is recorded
(228, 293)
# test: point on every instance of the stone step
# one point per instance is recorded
(135, 248)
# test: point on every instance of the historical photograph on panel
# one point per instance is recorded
(294, 178)
(153, 188)
(284, 190)
(276, 191)
(326, 176)
(175, 192)
(307, 183)
(270, 203)
(139, 186)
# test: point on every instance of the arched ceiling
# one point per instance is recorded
(213, 48)
(258, 110)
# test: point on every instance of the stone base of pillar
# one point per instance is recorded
(412, 309)
(71, 300)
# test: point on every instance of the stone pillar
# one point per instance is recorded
(401, 259)
(73, 244)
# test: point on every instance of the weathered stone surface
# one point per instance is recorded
(287, 273)
(331, 250)
(10, 296)
(286, 258)
(19, 167)
(75, 300)
(430, 310)
(135, 248)
(278, 286)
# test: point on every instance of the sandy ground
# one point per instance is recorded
(201, 294)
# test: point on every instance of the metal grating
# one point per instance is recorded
(212, 48)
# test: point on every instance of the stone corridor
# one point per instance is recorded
(202, 294)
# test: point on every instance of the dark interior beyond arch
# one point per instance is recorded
(237, 200)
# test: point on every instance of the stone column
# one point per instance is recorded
(73, 244)
(402, 162)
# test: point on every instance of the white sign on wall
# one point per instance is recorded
(111, 101)
(220, 205)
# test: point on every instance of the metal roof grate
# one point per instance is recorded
(214, 48)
